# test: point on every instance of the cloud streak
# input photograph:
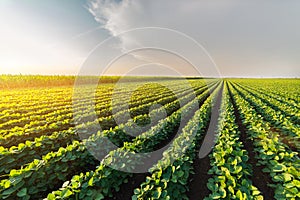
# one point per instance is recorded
(115, 17)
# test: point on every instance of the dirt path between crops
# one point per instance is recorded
(291, 142)
(197, 185)
(259, 178)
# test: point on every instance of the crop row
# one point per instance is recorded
(43, 111)
(275, 117)
(274, 95)
(51, 163)
(284, 88)
(229, 168)
(289, 112)
(28, 151)
(61, 124)
(169, 179)
(104, 180)
(103, 107)
(279, 161)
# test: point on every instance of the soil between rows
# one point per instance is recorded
(197, 185)
(289, 141)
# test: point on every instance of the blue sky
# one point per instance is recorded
(244, 38)
(46, 37)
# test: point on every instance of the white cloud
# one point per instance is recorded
(116, 17)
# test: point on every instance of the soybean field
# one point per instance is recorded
(53, 143)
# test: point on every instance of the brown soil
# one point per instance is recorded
(289, 141)
(197, 185)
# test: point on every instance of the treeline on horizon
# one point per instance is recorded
(28, 81)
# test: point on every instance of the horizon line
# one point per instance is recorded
(146, 75)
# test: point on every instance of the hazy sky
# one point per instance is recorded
(247, 38)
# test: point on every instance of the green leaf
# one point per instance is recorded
(136, 191)
(9, 191)
(7, 184)
(294, 190)
(91, 181)
(157, 193)
(211, 186)
(289, 185)
(65, 184)
(146, 188)
(230, 188)
(287, 177)
(134, 197)
(278, 168)
(51, 196)
(9, 160)
(222, 192)
(14, 172)
(277, 178)
(22, 192)
(66, 193)
(255, 192)
(215, 196)
(234, 162)
(238, 169)
(239, 195)
(180, 173)
(99, 196)
(33, 190)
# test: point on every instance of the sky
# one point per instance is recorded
(231, 38)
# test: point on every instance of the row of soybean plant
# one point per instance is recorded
(231, 174)
(55, 165)
(282, 117)
(60, 118)
(28, 151)
(169, 179)
(278, 160)
(104, 180)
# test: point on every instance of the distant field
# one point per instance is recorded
(256, 152)
(34, 81)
